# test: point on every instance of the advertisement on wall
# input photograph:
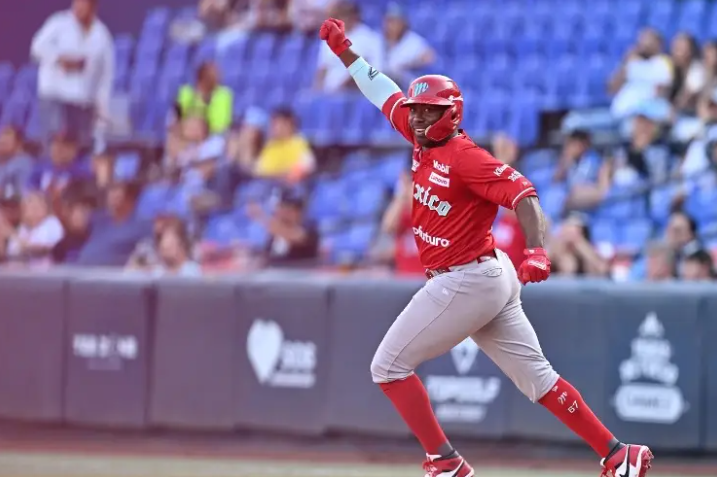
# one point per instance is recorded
(654, 371)
(467, 391)
(648, 391)
(278, 361)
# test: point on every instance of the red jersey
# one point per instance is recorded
(457, 189)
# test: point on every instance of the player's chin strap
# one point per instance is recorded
(376, 86)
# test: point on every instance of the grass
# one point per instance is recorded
(64, 465)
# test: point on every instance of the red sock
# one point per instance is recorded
(566, 403)
(410, 398)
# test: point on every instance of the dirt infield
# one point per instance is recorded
(27, 451)
(74, 465)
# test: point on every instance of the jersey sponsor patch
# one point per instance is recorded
(441, 167)
(429, 239)
(499, 170)
(439, 180)
(432, 201)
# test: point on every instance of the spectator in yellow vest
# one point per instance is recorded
(207, 99)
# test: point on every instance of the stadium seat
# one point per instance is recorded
(368, 201)
(222, 230)
(633, 235)
(603, 231)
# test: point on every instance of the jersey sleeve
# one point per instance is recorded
(398, 116)
(492, 180)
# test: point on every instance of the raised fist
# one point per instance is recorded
(333, 33)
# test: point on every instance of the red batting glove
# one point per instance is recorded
(535, 268)
(333, 33)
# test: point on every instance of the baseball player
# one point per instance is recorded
(473, 289)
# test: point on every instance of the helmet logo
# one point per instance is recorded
(419, 88)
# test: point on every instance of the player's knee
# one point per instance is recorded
(386, 368)
(379, 369)
(538, 382)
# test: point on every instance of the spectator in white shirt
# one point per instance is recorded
(406, 50)
(332, 75)
(700, 153)
(689, 72)
(38, 233)
(75, 52)
(646, 74)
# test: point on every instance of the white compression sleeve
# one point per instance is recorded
(376, 86)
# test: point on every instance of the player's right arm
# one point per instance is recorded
(378, 88)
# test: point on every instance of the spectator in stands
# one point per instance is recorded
(294, 240)
(75, 51)
(146, 253)
(681, 234)
(63, 168)
(645, 74)
(646, 158)
(190, 142)
(78, 213)
(307, 15)
(398, 245)
(709, 62)
(286, 155)
(660, 262)
(38, 233)
(406, 50)
(580, 168)
(244, 145)
(572, 252)
(689, 73)
(117, 230)
(332, 75)
(270, 15)
(170, 254)
(207, 99)
(15, 165)
(699, 156)
(698, 266)
(579, 163)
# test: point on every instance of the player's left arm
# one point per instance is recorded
(503, 185)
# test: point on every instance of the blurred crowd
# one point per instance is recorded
(71, 200)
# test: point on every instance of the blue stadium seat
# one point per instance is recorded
(661, 203)
(205, 51)
(603, 231)
(390, 168)
(355, 243)
(26, 79)
(326, 199)
(552, 200)
(6, 76)
(255, 235)
(633, 235)
(257, 190)
(691, 17)
(368, 200)
(700, 203)
(222, 230)
(16, 109)
(360, 160)
(153, 200)
(33, 130)
(156, 22)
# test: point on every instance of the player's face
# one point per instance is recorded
(420, 117)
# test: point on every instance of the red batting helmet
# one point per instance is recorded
(441, 91)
